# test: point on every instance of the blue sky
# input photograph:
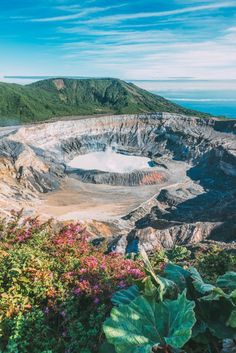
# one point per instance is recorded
(130, 39)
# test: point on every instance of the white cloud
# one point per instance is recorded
(123, 17)
(68, 7)
(75, 16)
(156, 54)
(231, 29)
(191, 41)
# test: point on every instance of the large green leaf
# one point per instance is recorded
(227, 281)
(218, 294)
(215, 294)
(142, 325)
(216, 314)
(125, 296)
(198, 282)
(150, 290)
(164, 286)
(150, 271)
(178, 275)
(199, 328)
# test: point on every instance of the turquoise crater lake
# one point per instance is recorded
(109, 161)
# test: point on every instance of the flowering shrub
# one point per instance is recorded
(55, 286)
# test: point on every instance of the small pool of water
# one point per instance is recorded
(109, 161)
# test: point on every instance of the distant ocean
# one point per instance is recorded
(217, 97)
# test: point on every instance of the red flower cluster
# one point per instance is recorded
(71, 265)
(99, 276)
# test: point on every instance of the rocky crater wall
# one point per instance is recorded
(196, 156)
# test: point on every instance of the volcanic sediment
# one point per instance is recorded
(194, 172)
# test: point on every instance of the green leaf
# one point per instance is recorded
(216, 294)
(178, 253)
(216, 316)
(178, 275)
(150, 271)
(232, 320)
(228, 281)
(24, 279)
(142, 325)
(199, 328)
(169, 285)
(182, 319)
(107, 348)
(232, 296)
(150, 290)
(198, 282)
(125, 296)
(163, 285)
(15, 270)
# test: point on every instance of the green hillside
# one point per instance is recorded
(65, 97)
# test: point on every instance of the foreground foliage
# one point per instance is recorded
(55, 287)
(144, 324)
(173, 312)
(57, 291)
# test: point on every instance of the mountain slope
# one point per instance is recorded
(65, 97)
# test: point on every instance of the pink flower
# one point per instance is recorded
(77, 291)
(63, 313)
(122, 284)
(78, 229)
(46, 310)
(96, 300)
(135, 272)
(103, 266)
(83, 270)
(91, 262)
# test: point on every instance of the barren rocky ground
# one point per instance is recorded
(189, 194)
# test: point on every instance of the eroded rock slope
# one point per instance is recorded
(194, 173)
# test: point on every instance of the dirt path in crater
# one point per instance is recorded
(77, 200)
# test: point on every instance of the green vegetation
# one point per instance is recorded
(67, 97)
(173, 311)
(59, 293)
(55, 287)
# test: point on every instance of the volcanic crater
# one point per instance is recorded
(159, 179)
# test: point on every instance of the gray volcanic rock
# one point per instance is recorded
(137, 177)
(194, 173)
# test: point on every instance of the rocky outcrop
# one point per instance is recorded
(194, 173)
(135, 178)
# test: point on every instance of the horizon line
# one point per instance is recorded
(125, 79)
